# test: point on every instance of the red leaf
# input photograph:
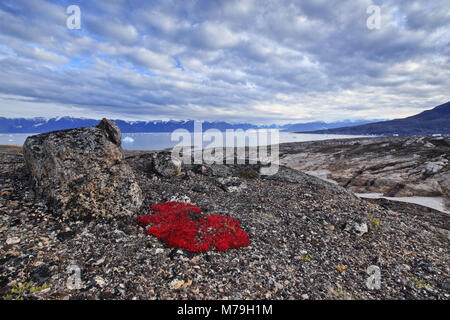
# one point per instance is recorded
(172, 222)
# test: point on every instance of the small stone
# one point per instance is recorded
(278, 287)
(44, 291)
(13, 240)
(195, 260)
(232, 184)
(180, 198)
(67, 235)
(305, 296)
(100, 281)
(406, 267)
(176, 284)
(356, 227)
(99, 261)
(200, 189)
(38, 263)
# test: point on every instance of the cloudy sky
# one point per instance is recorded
(254, 61)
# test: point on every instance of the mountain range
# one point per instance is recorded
(429, 122)
(40, 125)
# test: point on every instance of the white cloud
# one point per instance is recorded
(43, 55)
(253, 61)
(214, 36)
(153, 61)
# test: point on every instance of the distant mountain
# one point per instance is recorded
(39, 125)
(429, 122)
(320, 125)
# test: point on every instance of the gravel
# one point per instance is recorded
(300, 248)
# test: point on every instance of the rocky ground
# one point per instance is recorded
(394, 166)
(308, 241)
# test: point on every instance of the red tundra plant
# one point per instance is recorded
(181, 225)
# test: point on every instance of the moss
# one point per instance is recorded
(306, 258)
(20, 289)
(420, 282)
(375, 221)
(17, 291)
(341, 268)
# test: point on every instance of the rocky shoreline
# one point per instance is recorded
(393, 166)
(309, 240)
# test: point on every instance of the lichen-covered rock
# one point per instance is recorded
(180, 198)
(111, 130)
(166, 165)
(232, 184)
(81, 172)
(356, 227)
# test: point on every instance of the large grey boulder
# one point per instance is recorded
(82, 173)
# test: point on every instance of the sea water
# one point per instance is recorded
(163, 140)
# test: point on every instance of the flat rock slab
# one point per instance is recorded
(393, 166)
(82, 173)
